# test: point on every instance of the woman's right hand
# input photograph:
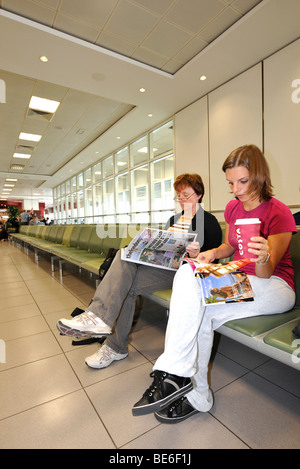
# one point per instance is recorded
(207, 257)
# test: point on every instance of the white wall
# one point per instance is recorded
(256, 107)
(282, 122)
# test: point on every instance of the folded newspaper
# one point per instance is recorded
(223, 283)
(159, 248)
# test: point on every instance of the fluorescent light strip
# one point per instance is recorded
(43, 104)
(30, 137)
(21, 155)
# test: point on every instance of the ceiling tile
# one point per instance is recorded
(158, 6)
(77, 28)
(131, 22)
(167, 39)
(150, 57)
(93, 12)
(218, 25)
(245, 5)
(116, 43)
(31, 10)
(192, 15)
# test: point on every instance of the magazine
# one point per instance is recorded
(159, 248)
(223, 283)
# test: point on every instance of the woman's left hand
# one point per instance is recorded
(193, 249)
(259, 246)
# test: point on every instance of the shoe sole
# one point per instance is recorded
(159, 405)
(171, 420)
(100, 367)
(70, 332)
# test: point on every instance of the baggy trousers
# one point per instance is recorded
(115, 297)
(191, 326)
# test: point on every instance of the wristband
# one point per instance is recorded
(266, 261)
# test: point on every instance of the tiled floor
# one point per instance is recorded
(49, 398)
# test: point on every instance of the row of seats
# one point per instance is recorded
(82, 245)
(87, 246)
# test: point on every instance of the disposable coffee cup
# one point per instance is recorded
(246, 228)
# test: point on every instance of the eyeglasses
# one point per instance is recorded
(177, 198)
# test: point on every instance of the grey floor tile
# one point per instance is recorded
(35, 383)
(201, 431)
(29, 349)
(113, 399)
(69, 422)
(263, 415)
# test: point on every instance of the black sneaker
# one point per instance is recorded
(176, 412)
(165, 389)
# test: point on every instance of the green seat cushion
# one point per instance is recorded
(163, 294)
(283, 337)
(259, 324)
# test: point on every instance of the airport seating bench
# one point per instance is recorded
(87, 245)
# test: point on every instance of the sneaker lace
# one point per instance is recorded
(159, 377)
(106, 353)
(87, 318)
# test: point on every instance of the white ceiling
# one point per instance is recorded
(100, 53)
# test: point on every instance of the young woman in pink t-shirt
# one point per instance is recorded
(180, 387)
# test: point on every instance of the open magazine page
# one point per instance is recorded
(223, 283)
(159, 248)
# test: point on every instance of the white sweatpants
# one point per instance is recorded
(191, 325)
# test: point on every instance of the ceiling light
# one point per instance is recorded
(203, 77)
(8, 179)
(43, 58)
(21, 155)
(30, 137)
(9, 185)
(150, 115)
(7, 190)
(142, 90)
(17, 167)
(43, 104)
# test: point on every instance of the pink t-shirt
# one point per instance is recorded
(275, 218)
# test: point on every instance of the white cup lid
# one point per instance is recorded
(247, 221)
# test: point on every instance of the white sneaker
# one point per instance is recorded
(104, 357)
(87, 324)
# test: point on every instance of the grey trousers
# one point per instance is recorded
(115, 298)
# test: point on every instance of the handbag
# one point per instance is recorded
(107, 262)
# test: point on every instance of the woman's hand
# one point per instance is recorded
(260, 247)
(207, 257)
(193, 249)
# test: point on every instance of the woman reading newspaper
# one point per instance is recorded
(180, 387)
(115, 298)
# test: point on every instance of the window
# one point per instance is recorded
(135, 184)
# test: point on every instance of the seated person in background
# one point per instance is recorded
(180, 387)
(115, 297)
(3, 232)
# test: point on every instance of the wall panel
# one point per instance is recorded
(235, 118)
(282, 121)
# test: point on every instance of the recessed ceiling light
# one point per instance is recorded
(7, 190)
(21, 155)
(30, 137)
(17, 167)
(9, 185)
(43, 104)
(118, 138)
(43, 58)
(150, 115)
(142, 90)
(203, 77)
(9, 179)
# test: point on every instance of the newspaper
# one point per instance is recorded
(223, 283)
(159, 248)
